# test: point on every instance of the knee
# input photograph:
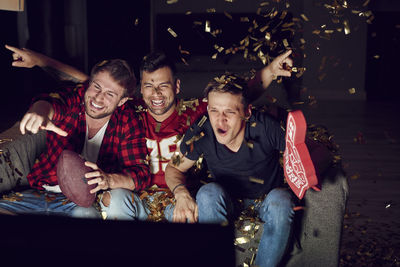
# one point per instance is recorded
(278, 205)
(209, 193)
(117, 197)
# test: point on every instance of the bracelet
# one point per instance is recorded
(179, 185)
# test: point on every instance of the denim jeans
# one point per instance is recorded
(33, 201)
(276, 211)
(125, 205)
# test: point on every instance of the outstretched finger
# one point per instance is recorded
(51, 127)
(284, 55)
(14, 49)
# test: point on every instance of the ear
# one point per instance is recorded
(122, 101)
(247, 112)
(177, 86)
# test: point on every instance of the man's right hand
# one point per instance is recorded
(186, 209)
(37, 118)
(26, 58)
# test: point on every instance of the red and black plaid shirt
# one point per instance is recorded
(123, 149)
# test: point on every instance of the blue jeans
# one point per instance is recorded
(125, 205)
(33, 201)
(276, 211)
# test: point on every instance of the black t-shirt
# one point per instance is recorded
(251, 171)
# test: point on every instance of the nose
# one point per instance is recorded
(156, 90)
(99, 96)
(221, 118)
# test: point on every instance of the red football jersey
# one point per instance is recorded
(164, 138)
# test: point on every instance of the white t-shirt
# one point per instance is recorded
(90, 152)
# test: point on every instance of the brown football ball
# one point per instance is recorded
(71, 171)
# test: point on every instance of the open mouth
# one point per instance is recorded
(95, 106)
(221, 131)
(157, 103)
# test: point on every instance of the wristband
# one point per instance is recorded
(179, 185)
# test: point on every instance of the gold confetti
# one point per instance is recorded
(188, 12)
(214, 56)
(376, 56)
(207, 27)
(195, 138)
(352, 90)
(211, 10)
(171, 31)
(169, 2)
(304, 17)
(136, 22)
(285, 43)
(366, 3)
(183, 51)
(256, 180)
(346, 27)
(241, 240)
(202, 121)
(264, 4)
(253, 124)
(228, 15)
(250, 144)
(244, 19)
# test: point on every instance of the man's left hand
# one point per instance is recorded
(97, 176)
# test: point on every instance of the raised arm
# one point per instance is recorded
(265, 76)
(186, 207)
(25, 58)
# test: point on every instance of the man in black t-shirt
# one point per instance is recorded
(241, 147)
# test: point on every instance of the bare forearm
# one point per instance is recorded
(174, 177)
(62, 71)
(119, 180)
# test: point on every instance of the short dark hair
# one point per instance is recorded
(229, 83)
(156, 60)
(120, 71)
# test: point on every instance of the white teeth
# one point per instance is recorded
(96, 106)
(157, 102)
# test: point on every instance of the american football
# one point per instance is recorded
(71, 171)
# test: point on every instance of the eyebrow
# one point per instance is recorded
(166, 82)
(107, 90)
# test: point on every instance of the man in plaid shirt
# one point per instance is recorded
(92, 120)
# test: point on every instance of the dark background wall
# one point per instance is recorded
(82, 32)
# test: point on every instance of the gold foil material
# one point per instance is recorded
(304, 17)
(171, 31)
(207, 27)
(346, 27)
(202, 121)
(229, 16)
(242, 240)
(256, 180)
